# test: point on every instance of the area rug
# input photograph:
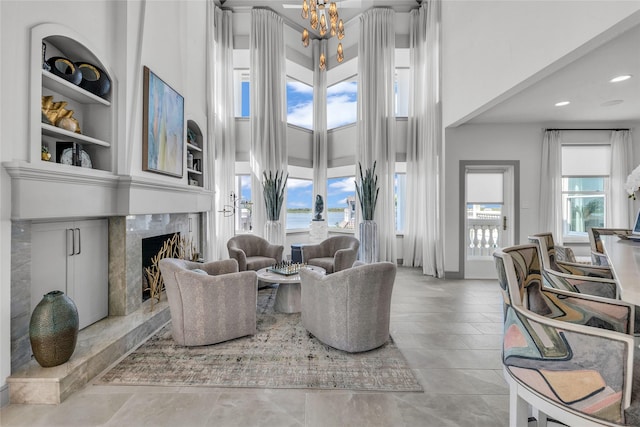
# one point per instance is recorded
(282, 354)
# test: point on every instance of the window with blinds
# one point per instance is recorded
(585, 187)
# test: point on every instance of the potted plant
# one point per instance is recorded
(274, 187)
(367, 190)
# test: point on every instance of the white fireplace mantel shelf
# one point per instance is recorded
(51, 191)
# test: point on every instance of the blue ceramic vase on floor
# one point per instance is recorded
(53, 329)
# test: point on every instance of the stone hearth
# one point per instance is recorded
(129, 321)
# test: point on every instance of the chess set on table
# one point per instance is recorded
(287, 268)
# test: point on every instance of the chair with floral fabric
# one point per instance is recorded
(569, 356)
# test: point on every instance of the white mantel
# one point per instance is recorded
(51, 191)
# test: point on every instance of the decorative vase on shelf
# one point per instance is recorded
(273, 232)
(53, 329)
(368, 241)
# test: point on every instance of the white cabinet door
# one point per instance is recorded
(49, 258)
(72, 257)
(89, 283)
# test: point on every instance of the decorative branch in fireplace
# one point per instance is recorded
(173, 247)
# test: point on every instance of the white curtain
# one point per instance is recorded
(320, 124)
(268, 108)
(221, 121)
(376, 117)
(423, 246)
(619, 207)
(550, 202)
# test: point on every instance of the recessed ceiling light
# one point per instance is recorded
(620, 78)
(612, 102)
(562, 103)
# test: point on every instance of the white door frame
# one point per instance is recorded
(515, 220)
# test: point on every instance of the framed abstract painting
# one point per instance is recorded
(163, 127)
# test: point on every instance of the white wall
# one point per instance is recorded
(521, 142)
(169, 37)
(490, 47)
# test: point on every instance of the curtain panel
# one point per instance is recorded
(550, 201)
(320, 124)
(376, 118)
(424, 245)
(268, 106)
(221, 122)
(620, 208)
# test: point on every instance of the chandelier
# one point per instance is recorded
(318, 15)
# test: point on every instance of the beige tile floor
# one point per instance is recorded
(448, 330)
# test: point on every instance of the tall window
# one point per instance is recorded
(299, 203)
(585, 188)
(299, 104)
(341, 203)
(402, 90)
(342, 103)
(243, 206)
(400, 192)
(241, 92)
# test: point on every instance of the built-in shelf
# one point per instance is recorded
(195, 154)
(69, 90)
(57, 132)
(193, 147)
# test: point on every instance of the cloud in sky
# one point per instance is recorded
(342, 104)
(342, 185)
(300, 104)
(295, 183)
(300, 87)
(301, 115)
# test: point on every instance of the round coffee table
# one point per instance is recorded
(288, 293)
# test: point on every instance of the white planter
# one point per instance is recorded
(273, 232)
(368, 251)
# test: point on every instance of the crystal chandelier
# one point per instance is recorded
(316, 11)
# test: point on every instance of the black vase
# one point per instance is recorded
(53, 329)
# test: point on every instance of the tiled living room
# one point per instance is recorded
(461, 88)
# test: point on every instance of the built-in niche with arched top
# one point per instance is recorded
(195, 154)
(72, 114)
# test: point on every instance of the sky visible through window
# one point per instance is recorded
(341, 103)
(299, 193)
(338, 189)
(299, 104)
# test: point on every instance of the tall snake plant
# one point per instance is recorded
(274, 187)
(367, 190)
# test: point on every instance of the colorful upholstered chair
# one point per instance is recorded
(554, 359)
(597, 251)
(552, 261)
(574, 277)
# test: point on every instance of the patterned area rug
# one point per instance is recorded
(281, 355)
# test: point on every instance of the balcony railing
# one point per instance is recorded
(483, 234)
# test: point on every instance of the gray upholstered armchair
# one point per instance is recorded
(333, 254)
(210, 302)
(349, 310)
(253, 252)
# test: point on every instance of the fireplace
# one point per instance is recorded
(150, 248)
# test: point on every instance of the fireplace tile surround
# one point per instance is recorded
(127, 312)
